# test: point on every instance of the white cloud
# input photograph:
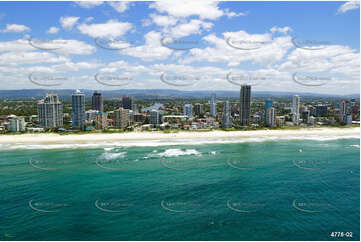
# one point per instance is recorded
(195, 26)
(29, 58)
(151, 50)
(231, 14)
(283, 30)
(348, 6)
(203, 8)
(61, 46)
(163, 20)
(336, 59)
(53, 30)
(89, 4)
(268, 50)
(17, 28)
(120, 7)
(68, 22)
(112, 28)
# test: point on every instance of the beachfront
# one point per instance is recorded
(157, 135)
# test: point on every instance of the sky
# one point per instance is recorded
(185, 45)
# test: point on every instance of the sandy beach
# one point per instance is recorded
(142, 136)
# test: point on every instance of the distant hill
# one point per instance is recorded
(155, 94)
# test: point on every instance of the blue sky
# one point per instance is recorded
(275, 46)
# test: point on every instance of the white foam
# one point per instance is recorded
(107, 146)
(112, 156)
(178, 152)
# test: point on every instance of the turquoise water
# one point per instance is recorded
(273, 190)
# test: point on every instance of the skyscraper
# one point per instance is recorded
(50, 111)
(127, 102)
(213, 105)
(121, 118)
(271, 118)
(78, 110)
(344, 111)
(245, 105)
(101, 121)
(97, 101)
(296, 109)
(198, 109)
(267, 105)
(154, 117)
(187, 110)
(226, 119)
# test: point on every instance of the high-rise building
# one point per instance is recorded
(245, 105)
(17, 124)
(213, 107)
(154, 117)
(121, 118)
(305, 116)
(344, 110)
(280, 121)
(78, 110)
(296, 109)
(187, 110)
(127, 102)
(321, 110)
(134, 108)
(198, 109)
(101, 120)
(268, 104)
(97, 101)
(270, 120)
(50, 112)
(90, 115)
(226, 119)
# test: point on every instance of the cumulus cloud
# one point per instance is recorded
(186, 8)
(68, 22)
(120, 7)
(348, 6)
(283, 30)
(151, 50)
(53, 30)
(112, 28)
(89, 4)
(16, 28)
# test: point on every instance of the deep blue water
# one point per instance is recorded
(274, 190)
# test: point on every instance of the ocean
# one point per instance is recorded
(254, 189)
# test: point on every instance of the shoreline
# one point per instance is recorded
(50, 138)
